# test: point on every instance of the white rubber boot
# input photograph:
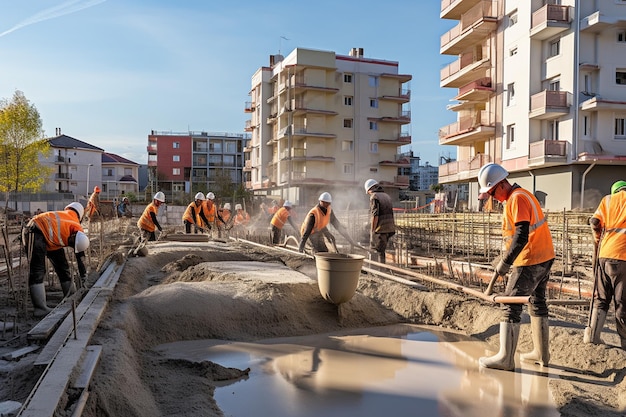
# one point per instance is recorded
(38, 297)
(594, 331)
(505, 358)
(540, 354)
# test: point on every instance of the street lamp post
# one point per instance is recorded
(88, 166)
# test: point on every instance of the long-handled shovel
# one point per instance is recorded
(594, 268)
(492, 282)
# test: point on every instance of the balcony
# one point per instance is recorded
(454, 9)
(271, 119)
(403, 96)
(463, 170)
(152, 149)
(599, 104)
(249, 107)
(62, 176)
(399, 161)
(247, 165)
(300, 131)
(202, 178)
(549, 104)
(597, 22)
(403, 118)
(403, 78)
(464, 70)
(547, 152)
(301, 84)
(249, 127)
(475, 25)
(300, 108)
(468, 129)
(58, 159)
(404, 138)
(479, 90)
(300, 154)
(549, 21)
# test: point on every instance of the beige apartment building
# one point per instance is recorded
(541, 89)
(320, 122)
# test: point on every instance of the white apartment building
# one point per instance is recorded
(326, 122)
(542, 91)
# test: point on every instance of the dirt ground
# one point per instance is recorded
(186, 292)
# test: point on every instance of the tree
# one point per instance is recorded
(21, 143)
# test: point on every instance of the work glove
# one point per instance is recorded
(502, 268)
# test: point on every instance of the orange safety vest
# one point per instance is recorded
(145, 221)
(57, 227)
(93, 204)
(612, 215)
(523, 206)
(321, 219)
(242, 218)
(209, 213)
(225, 215)
(192, 208)
(280, 218)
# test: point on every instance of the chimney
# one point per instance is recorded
(356, 52)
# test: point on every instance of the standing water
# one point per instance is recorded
(404, 370)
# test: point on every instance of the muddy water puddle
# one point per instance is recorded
(401, 370)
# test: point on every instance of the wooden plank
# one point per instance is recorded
(47, 325)
(80, 404)
(16, 354)
(87, 366)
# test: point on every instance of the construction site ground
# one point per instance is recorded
(196, 290)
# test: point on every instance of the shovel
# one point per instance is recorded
(492, 282)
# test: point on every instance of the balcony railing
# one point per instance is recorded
(547, 152)
(249, 107)
(465, 125)
(549, 104)
(475, 24)
(469, 67)
(62, 176)
(59, 159)
(549, 21)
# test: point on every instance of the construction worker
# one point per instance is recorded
(226, 214)
(193, 214)
(282, 216)
(46, 235)
(315, 226)
(528, 254)
(382, 224)
(242, 218)
(123, 208)
(148, 222)
(608, 224)
(210, 212)
(93, 205)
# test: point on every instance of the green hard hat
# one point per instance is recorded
(618, 186)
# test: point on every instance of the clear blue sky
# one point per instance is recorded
(109, 71)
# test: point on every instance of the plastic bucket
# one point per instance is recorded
(338, 275)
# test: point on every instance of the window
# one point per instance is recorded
(513, 51)
(229, 160)
(512, 18)
(215, 146)
(347, 145)
(620, 127)
(175, 171)
(510, 136)
(510, 94)
(554, 85)
(347, 123)
(176, 145)
(231, 146)
(620, 76)
(586, 125)
(374, 103)
(374, 147)
(553, 133)
(587, 84)
(215, 159)
(621, 36)
(347, 168)
(555, 47)
(373, 81)
(347, 78)
(108, 172)
(347, 100)
(128, 171)
(373, 125)
(176, 158)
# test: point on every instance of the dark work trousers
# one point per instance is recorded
(276, 233)
(610, 280)
(318, 242)
(36, 244)
(379, 242)
(188, 227)
(528, 280)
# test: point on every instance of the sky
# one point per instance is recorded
(108, 72)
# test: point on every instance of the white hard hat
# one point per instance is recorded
(159, 196)
(238, 207)
(227, 206)
(369, 184)
(287, 203)
(200, 196)
(78, 207)
(81, 243)
(490, 175)
(326, 198)
(210, 196)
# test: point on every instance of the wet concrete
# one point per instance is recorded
(401, 370)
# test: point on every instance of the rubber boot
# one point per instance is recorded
(594, 331)
(38, 297)
(68, 288)
(540, 354)
(505, 358)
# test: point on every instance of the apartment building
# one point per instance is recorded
(119, 176)
(320, 121)
(541, 89)
(184, 163)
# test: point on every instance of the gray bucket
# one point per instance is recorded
(338, 275)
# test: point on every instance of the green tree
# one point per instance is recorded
(21, 143)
